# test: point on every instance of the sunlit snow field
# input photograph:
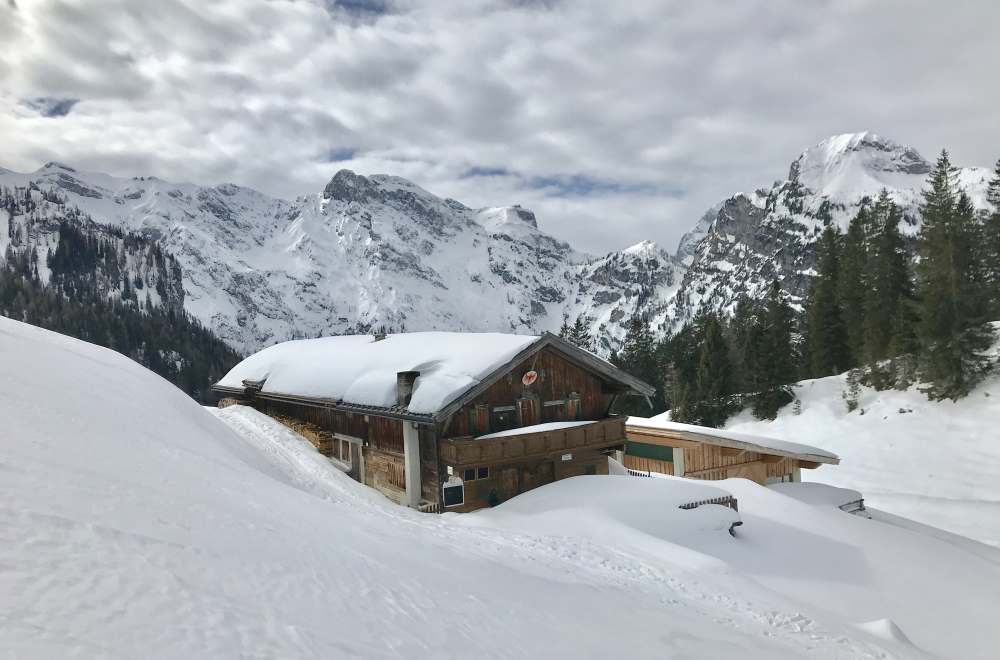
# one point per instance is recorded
(134, 523)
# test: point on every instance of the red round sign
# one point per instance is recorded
(529, 377)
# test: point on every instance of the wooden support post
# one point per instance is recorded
(411, 463)
(679, 462)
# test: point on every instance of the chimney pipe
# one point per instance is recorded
(404, 387)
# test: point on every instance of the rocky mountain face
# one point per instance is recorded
(749, 240)
(67, 250)
(364, 253)
(380, 252)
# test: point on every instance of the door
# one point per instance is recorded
(529, 411)
(538, 475)
(509, 483)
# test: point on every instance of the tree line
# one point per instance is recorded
(89, 294)
(891, 310)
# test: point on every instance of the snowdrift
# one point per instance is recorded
(134, 523)
(936, 462)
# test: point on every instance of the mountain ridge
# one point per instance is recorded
(380, 251)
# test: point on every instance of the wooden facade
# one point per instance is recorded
(457, 468)
(702, 455)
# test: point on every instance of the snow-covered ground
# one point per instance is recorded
(934, 462)
(134, 523)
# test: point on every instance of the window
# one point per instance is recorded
(554, 411)
(454, 494)
(643, 450)
(474, 473)
(503, 418)
(345, 451)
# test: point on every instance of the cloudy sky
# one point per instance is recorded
(614, 121)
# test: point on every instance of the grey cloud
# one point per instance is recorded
(614, 126)
(48, 106)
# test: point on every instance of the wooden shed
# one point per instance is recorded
(443, 421)
(699, 452)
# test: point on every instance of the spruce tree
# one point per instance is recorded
(744, 331)
(825, 329)
(579, 334)
(712, 380)
(888, 317)
(638, 357)
(991, 245)
(564, 329)
(777, 367)
(851, 284)
(953, 296)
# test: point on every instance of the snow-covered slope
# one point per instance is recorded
(751, 239)
(366, 252)
(936, 462)
(134, 523)
(379, 251)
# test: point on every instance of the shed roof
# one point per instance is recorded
(762, 444)
(360, 371)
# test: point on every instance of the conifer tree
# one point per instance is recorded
(991, 245)
(564, 328)
(777, 366)
(638, 357)
(888, 317)
(744, 330)
(851, 283)
(712, 380)
(579, 334)
(825, 329)
(952, 333)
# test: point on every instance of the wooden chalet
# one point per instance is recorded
(443, 421)
(699, 452)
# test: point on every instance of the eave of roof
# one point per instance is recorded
(394, 412)
(706, 437)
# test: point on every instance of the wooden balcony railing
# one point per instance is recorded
(470, 451)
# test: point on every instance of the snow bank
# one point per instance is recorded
(936, 462)
(133, 523)
(358, 369)
(585, 505)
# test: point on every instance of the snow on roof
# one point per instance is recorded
(358, 369)
(768, 445)
(534, 428)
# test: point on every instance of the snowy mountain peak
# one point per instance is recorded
(855, 156)
(346, 186)
(642, 249)
(501, 218)
(54, 165)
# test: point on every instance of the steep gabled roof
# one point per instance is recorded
(358, 372)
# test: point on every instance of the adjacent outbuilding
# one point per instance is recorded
(655, 444)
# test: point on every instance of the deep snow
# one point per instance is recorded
(134, 523)
(361, 369)
(934, 462)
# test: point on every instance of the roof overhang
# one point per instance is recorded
(329, 404)
(654, 435)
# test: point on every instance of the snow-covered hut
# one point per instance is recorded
(656, 444)
(442, 420)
